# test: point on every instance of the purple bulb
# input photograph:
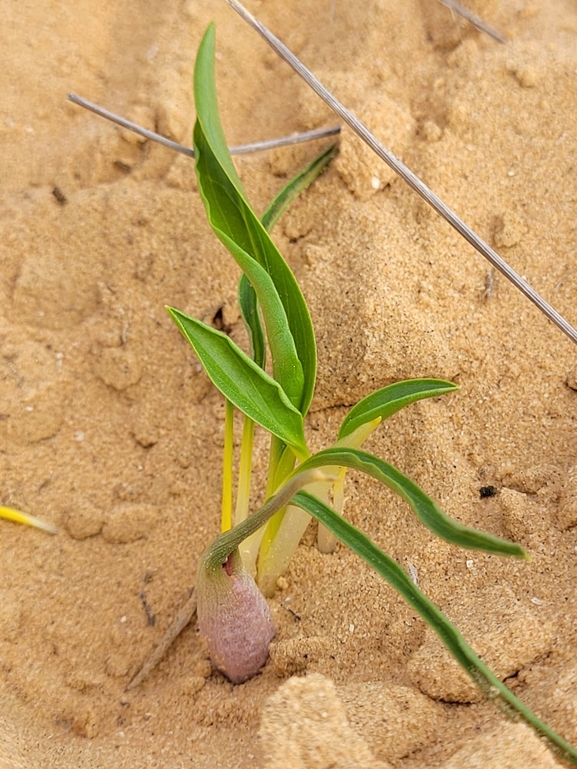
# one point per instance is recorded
(233, 616)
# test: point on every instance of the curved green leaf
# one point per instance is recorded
(233, 221)
(246, 294)
(384, 565)
(296, 185)
(206, 105)
(428, 512)
(249, 310)
(387, 401)
(287, 368)
(244, 383)
(225, 214)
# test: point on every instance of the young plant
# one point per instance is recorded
(232, 612)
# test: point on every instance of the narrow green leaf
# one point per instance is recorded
(287, 368)
(246, 293)
(244, 383)
(428, 512)
(206, 105)
(234, 222)
(249, 310)
(387, 401)
(384, 565)
(223, 212)
(296, 185)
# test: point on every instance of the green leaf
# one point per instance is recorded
(223, 214)
(246, 293)
(293, 189)
(249, 310)
(287, 368)
(207, 105)
(237, 226)
(384, 565)
(386, 402)
(244, 383)
(426, 509)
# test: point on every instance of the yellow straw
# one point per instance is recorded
(28, 520)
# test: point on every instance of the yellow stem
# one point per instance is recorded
(244, 472)
(226, 516)
(284, 466)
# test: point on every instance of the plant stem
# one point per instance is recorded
(274, 562)
(244, 471)
(249, 551)
(326, 540)
(217, 552)
(226, 516)
(274, 456)
(283, 467)
(284, 141)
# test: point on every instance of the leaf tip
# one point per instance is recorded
(174, 314)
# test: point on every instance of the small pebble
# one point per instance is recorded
(572, 378)
(191, 685)
(129, 522)
(84, 520)
(118, 368)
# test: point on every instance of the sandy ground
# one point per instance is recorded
(110, 430)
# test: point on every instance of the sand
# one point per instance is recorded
(110, 430)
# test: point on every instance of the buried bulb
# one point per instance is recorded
(233, 616)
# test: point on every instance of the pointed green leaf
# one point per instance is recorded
(287, 368)
(384, 565)
(206, 105)
(244, 383)
(294, 188)
(246, 293)
(225, 218)
(387, 401)
(428, 512)
(235, 223)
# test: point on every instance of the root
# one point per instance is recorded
(184, 617)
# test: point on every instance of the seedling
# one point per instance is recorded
(233, 614)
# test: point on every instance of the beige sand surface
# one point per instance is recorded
(110, 430)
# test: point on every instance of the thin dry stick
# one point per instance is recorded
(184, 617)
(243, 149)
(405, 173)
(475, 21)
